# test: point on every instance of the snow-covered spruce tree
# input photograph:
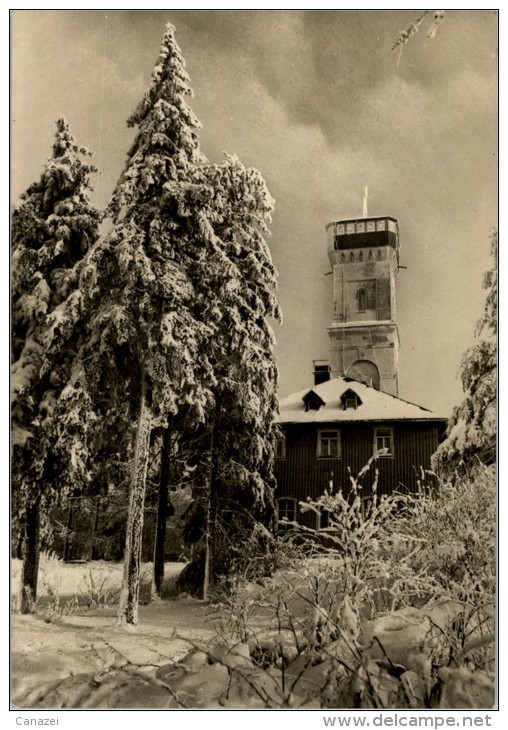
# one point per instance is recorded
(240, 287)
(148, 350)
(53, 226)
(471, 431)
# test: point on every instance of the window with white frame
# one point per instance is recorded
(328, 445)
(383, 441)
(280, 447)
(286, 512)
(324, 521)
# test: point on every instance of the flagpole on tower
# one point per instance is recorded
(365, 196)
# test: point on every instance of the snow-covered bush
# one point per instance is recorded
(391, 606)
(452, 531)
(454, 525)
(367, 560)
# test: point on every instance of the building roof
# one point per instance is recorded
(373, 405)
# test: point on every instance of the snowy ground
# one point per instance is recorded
(87, 646)
(73, 655)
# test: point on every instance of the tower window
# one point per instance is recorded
(383, 441)
(343, 258)
(328, 445)
(286, 513)
(379, 255)
(365, 371)
(351, 256)
(360, 256)
(370, 255)
(361, 300)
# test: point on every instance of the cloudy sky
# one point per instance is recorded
(322, 106)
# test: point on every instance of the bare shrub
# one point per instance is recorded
(50, 575)
(97, 590)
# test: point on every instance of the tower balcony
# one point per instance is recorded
(354, 233)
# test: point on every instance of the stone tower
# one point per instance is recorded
(364, 340)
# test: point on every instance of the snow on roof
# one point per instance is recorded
(375, 405)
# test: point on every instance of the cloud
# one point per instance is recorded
(317, 102)
(336, 70)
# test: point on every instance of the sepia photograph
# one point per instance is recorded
(253, 385)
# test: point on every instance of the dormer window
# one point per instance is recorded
(312, 401)
(350, 399)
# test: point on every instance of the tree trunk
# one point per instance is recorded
(68, 532)
(31, 553)
(162, 508)
(97, 507)
(129, 594)
(211, 521)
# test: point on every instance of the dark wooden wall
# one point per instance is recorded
(302, 474)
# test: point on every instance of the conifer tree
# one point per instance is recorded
(240, 282)
(246, 394)
(147, 348)
(53, 227)
(471, 431)
(182, 286)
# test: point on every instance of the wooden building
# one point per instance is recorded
(352, 412)
(330, 432)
